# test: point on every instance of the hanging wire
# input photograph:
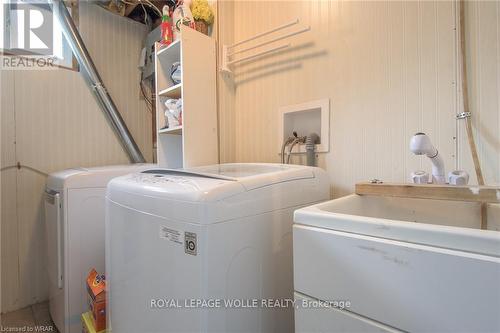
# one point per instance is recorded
(142, 2)
(149, 102)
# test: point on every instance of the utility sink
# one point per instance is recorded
(448, 224)
(404, 264)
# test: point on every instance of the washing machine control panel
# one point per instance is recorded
(157, 179)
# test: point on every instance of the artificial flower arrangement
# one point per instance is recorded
(202, 14)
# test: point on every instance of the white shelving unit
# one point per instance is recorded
(172, 92)
(194, 143)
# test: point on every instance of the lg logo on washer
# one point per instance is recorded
(190, 243)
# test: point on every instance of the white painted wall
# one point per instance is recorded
(50, 121)
(389, 69)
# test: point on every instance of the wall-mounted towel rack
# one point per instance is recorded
(229, 51)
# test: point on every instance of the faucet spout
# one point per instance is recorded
(420, 144)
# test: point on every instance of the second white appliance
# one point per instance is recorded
(178, 241)
(74, 221)
(403, 264)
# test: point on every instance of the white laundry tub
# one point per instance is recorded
(403, 264)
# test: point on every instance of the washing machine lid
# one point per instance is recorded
(255, 175)
(207, 183)
(211, 194)
(91, 177)
(162, 185)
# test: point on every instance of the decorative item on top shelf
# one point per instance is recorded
(173, 113)
(182, 16)
(203, 15)
(176, 72)
(166, 27)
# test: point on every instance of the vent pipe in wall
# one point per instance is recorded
(94, 81)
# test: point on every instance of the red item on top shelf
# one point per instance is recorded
(167, 34)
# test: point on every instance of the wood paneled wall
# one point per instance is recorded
(389, 70)
(50, 121)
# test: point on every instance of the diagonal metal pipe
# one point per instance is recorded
(94, 82)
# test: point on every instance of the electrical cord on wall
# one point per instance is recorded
(149, 101)
(22, 166)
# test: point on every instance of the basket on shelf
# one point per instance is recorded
(201, 26)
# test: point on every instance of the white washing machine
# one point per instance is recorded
(201, 250)
(74, 221)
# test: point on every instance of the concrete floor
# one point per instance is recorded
(35, 316)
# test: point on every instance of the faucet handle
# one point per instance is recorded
(420, 177)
